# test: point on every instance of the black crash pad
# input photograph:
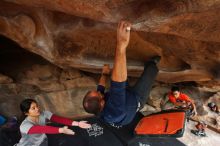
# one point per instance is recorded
(9, 136)
(101, 134)
(97, 135)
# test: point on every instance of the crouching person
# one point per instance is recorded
(178, 100)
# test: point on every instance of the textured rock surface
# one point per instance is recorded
(5, 79)
(60, 92)
(81, 34)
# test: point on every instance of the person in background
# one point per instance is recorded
(178, 100)
(213, 107)
(34, 129)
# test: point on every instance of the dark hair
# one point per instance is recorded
(211, 104)
(26, 104)
(91, 104)
(175, 88)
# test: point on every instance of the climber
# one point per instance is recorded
(120, 104)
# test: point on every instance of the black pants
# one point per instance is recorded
(144, 84)
(45, 142)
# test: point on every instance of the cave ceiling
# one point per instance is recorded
(82, 34)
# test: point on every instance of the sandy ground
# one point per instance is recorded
(212, 139)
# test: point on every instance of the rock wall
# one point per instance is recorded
(62, 94)
(77, 37)
(81, 34)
